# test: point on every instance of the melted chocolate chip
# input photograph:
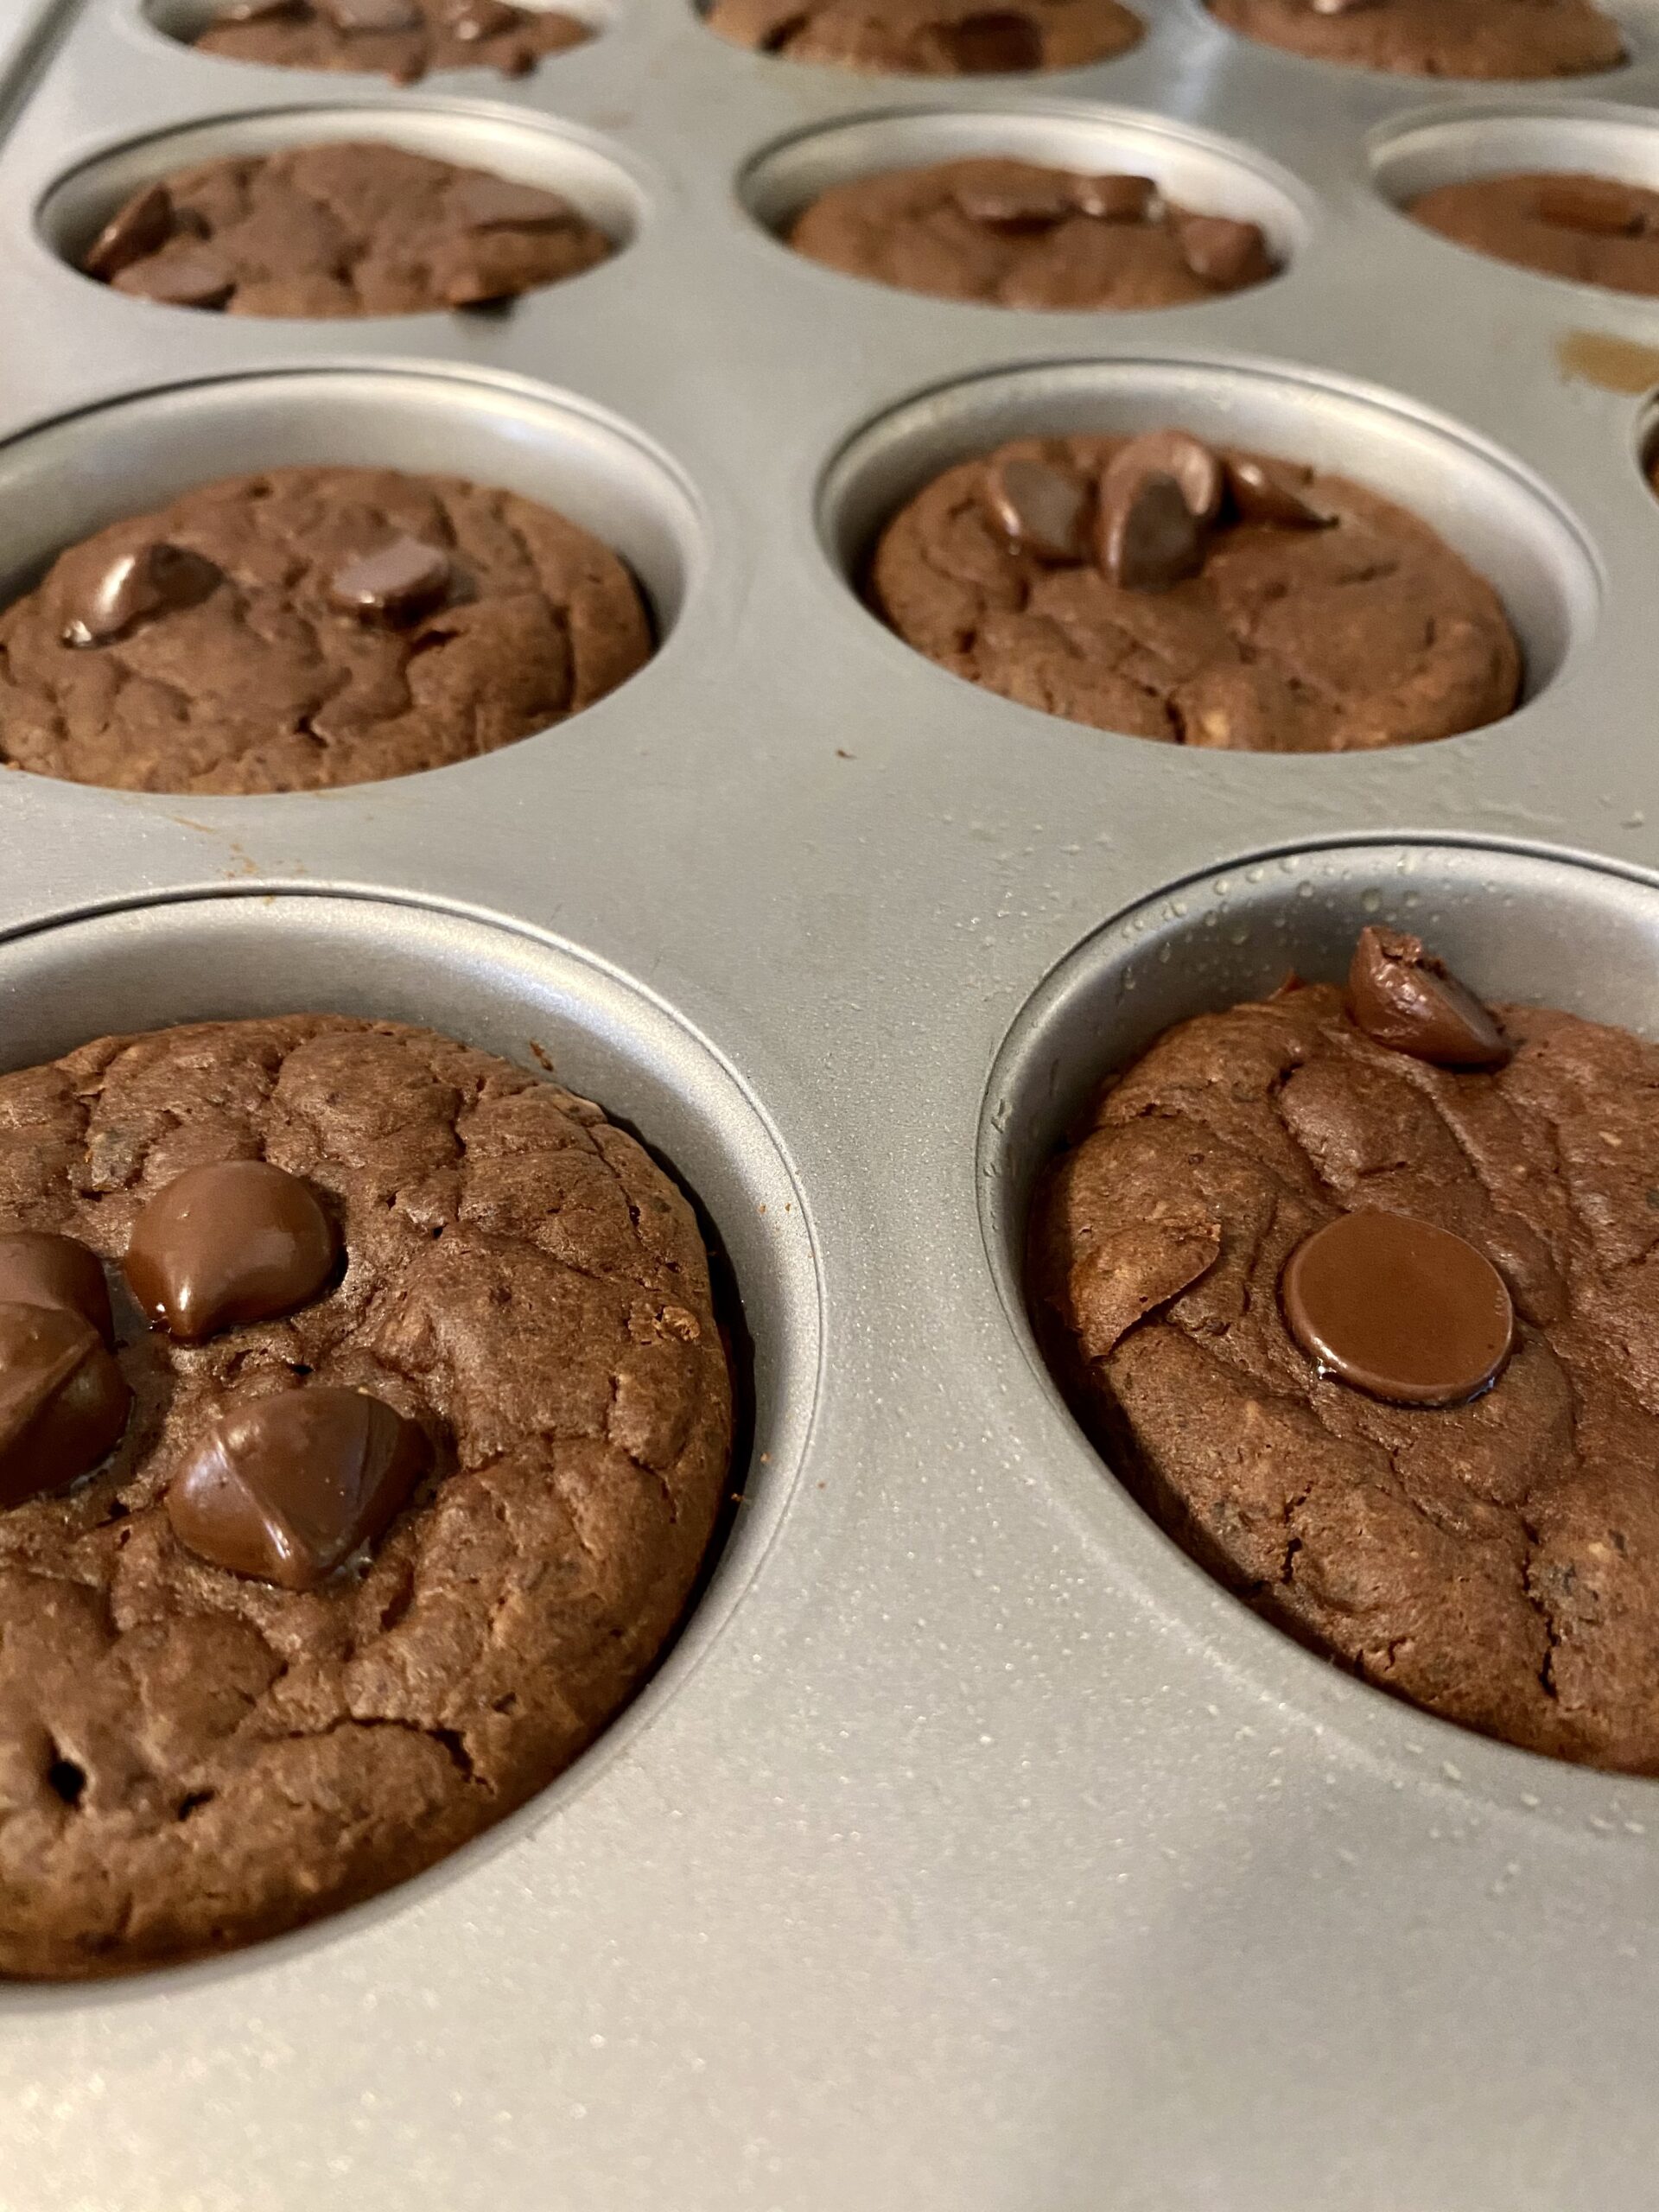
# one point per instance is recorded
(192, 276)
(1261, 495)
(1589, 203)
(1115, 199)
(1011, 195)
(134, 589)
(286, 1488)
(1341, 7)
(1404, 998)
(37, 1268)
(132, 233)
(367, 15)
(63, 1400)
(993, 44)
(1401, 1309)
(1042, 508)
(1195, 467)
(497, 203)
(396, 583)
(1222, 252)
(1149, 537)
(220, 1246)
(256, 11)
(475, 19)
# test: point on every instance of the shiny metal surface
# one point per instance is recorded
(972, 1852)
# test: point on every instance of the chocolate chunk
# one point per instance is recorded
(993, 44)
(235, 1242)
(493, 203)
(1401, 1309)
(1011, 195)
(132, 233)
(1261, 495)
(1115, 199)
(1405, 999)
(1194, 465)
(63, 1400)
(476, 19)
(286, 1488)
(1589, 203)
(134, 587)
(365, 15)
(1043, 509)
(1223, 252)
(37, 1268)
(396, 583)
(1149, 538)
(194, 276)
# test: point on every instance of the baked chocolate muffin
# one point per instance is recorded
(931, 38)
(1016, 234)
(309, 628)
(372, 1501)
(1355, 1289)
(1437, 38)
(1171, 590)
(1593, 230)
(339, 230)
(400, 39)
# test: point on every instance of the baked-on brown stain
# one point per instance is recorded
(285, 1488)
(1401, 1309)
(1615, 364)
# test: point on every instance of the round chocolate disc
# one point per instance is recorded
(1402, 1310)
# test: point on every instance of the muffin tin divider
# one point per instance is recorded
(986, 1856)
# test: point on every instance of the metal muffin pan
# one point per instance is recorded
(972, 1852)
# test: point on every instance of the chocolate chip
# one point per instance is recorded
(494, 203)
(1115, 199)
(132, 233)
(1399, 1308)
(134, 589)
(1043, 509)
(234, 1241)
(993, 44)
(1222, 252)
(63, 1400)
(1341, 7)
(1261, 495)
(1589, 203)
(364, 15)
(286, 1488)
(1011, 195)
(396, 583)
(192, 276)
(475, 19)
(1195, 467)
(1404, 998)
(256, 11)
(39, 1268)
(1149, 538)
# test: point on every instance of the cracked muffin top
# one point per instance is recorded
(401, 39)
(411, 1473)
(931, 38)
(1357, 1290)
(1197, 595)
(339, 229)
(1437, 38)
(307, 627)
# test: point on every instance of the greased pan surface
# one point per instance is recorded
(971, 1852)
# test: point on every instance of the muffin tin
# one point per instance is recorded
(971, 1852)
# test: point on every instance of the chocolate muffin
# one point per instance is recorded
(931, 38)
(1594, 230)
(399, 39)
(339, 230)
(1355, 1291)
(414, 1424)
(308, 627)
(1166, 590)
(1019, 235)
(1437, 38)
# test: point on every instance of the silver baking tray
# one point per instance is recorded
(971, 1852)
